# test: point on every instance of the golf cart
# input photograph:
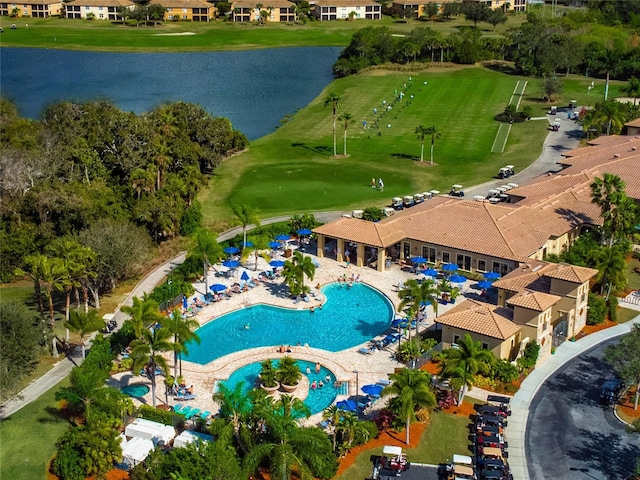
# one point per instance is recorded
(427, 195)
(456, 191)
(506, 171)
(460, 468)
(418, 198)
(573, 104)
(434, 193)
(501, 402)
(609, 391)
(408, 201)
(555, 126)
(553, 110)
(396, 203)
(388, 211)
(391, 464)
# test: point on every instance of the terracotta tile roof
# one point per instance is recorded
(572, 273)
(531, 280)
(537, 301)
(101, 3)
(265, 4)
(182, 3)
(633, 123)
(536, 275)
(345, 3)
(482, 318)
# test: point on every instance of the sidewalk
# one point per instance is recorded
(516, 430)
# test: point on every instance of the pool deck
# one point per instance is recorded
(370, 367)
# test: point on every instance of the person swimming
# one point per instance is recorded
(247, 326)
(313, 385)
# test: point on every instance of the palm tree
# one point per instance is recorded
(182, 330)
(333, 414)
(632, 88)
(346, 118)
(466, 361)
(143, 313)
(333, 100)
(35, 264)
(415, 294)
(606, 114)
(84, 323)
(608, 193)
(411, 389)
(235, 406)
(53, 276)
(147, 353)
(245, 216)
(205, 245)
(611, 267)
(295, 270)
(422, 132)
(433, 131)
(348, 427)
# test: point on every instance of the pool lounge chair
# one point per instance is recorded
(184, 410)
(192, 413)
(204, 415)
(177, 407)
(191, 396)
(365, 351)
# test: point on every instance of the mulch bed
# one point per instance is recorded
(625, 406)
(589, 329)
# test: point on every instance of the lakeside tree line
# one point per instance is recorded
(594, 41)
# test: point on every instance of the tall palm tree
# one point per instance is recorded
(295, 271)
(606, 114)
(147, 352)
(204, 244)
(333, 414)
(235, 406)
(422, 132)
(466, 361)
(142, 313)
(415, 294)
(433, 131)
(608, 193)
(182, 330)
(54, 276)
(632, 88)
(245, 216)
(411, 389)
(346, 119)
(611, 267)
(84, 323)
(333, 100)
(348, 427)
(35, 264)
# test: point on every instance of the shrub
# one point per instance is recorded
(613, 308)
(191, 219)
(369, 430)
(530, 357)
(161, 416)
(597, 310)
(504, 371)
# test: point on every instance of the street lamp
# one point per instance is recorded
(357, 394)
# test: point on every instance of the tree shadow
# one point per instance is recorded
(404, 156)
(606, 454)
(575, 218)
(320, 149)
(501, 67)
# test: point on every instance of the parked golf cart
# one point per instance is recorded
(555, 126)
(573, 104)
(418, 198)
(461, 467)
(610, 391)
(456, 191)
(506, 171)
(500, 401)
(390, 464)
(553, 110)
(396, 203)
(408, 201)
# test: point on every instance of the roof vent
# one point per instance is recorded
(633, 149)
(536, 268)
(616, 155)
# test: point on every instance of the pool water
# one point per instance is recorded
(317, 400)
(135, 390)
(349, 317)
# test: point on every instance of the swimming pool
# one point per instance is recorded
(317, 400)
(135, 390)
(349, 317)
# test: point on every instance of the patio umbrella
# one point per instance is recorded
(185, 302)
(231, 250)
(248, 244)
(304, 231)
(274, 244)
(457, 279)
(245, 276)
(398, 322)
(372, 390)
(276, 263)
(347, 405)
(484, 284)
(231, 263)
(449, 267)
(418, 260)
(491, 275)
(430, 272)
(217, 287)
(283, 237)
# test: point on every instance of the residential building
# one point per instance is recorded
(633, 127)
(98, 9)
(190, 10)
(506, 5)
(347, 10)
(32, 8)
(414, 9)
(250, 11)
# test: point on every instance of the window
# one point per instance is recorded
(482, 265)
(184, 10)
(101, 15)
(87, 7)
(446, 258)
(100, 8)
(485, 346)
(406, 247)
(456, 338)
(545, 325)
(463, 262)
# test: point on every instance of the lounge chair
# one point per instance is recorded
(204, 415)
(184, 410)
(177, 407)
(191, 396)
(365, 351)
(192, 413)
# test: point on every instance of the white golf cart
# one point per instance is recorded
(391, 464)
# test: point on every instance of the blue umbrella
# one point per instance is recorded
(373, 390)
(274, 244)
(231, 263)
(425, 303)
(418, 260)
(449, 267)
(231, 250)
(245, 276)
(492, 275)
(217, 287)
(347, 405)
(430, 272)
(304, 231)
(283, 237)
(457, 279)
(185, 302)
(398, 322)
(248, 243)
(484, 284)
(276, 263)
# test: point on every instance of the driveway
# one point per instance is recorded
(569, 434)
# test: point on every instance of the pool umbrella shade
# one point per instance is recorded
(484, 284)
(248, 244)
(274, 244)
(398, 322)
(276, 263)
(372, 390)
(457, 279)
(492, 275)
(245, 276)
(449, 267)
(231, 250)
(430, 272)
(283, 237)
(304, 231)
(418, 260)
(185, 303)
(347, 405)
(218, 287)
(231, 263)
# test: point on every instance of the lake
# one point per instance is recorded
(254, 89)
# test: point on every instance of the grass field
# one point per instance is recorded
(25, 456)
(219, 35)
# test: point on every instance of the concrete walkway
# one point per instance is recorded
(516, 430)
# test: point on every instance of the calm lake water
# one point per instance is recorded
(255, 89)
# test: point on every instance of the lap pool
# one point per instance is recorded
(349, 317)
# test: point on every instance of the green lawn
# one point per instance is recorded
(28, 438)
(447, 434)
(626, 314)
(632, 276)
(219, 35)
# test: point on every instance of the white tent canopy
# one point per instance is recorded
(135, 450)
(188, 437)
(154, 431)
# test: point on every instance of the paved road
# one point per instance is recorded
(570, 436)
